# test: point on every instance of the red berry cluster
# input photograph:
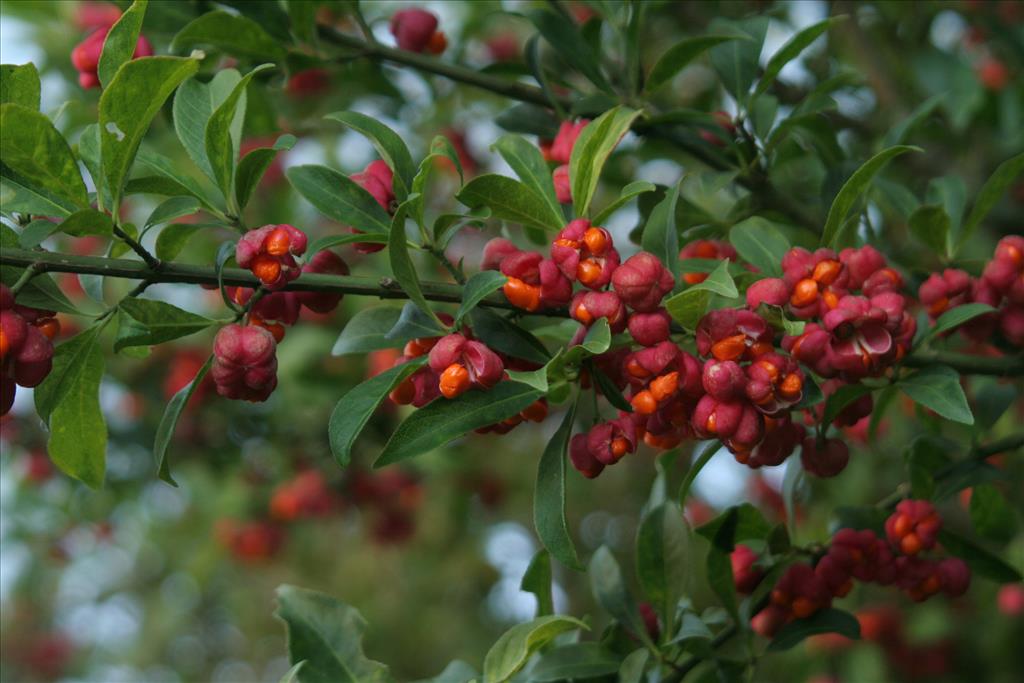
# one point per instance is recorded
(415, 30)
(250, 540)
(269, 252)
(1001, 286)
(390, 498)
(559, 151)
(26, 349)
(86, 55)
(706, 249)
(858, 325)
(456, 363)
(858, 555)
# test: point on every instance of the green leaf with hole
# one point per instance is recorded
(128, 106)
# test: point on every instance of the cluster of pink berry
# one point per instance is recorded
(1001, 286)
(26, 349)
(245, 356)
(857, 555)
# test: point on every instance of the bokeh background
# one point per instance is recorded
(145, 582)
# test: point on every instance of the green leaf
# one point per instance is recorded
(413, 322)
(529, 119)
(328, 635)
(981, 561)
(87, 222)
(633, 666)
(150, 322)
(930, 224)
(127, 107)
(549, 496)
(677, 57)
(171, 179)
(355, 408)
(39, 156)
(841, 398)
(233, 33)
(516, 645)
(221, 145)
(457, 671)
(537, 580)
(609, 390)
(568, 42)
(938, 387)
(991, 401)
(955, 317)
(737, 61)
(366, 331)
(993, 518)
(776, 317)
(597, 340)
(528, 163)
(33, 234)
(660, 236)
(702, 453)
(506, 337)
(169, 420)
(40, 292)
(172, 239)
(760, 244)
(662, 558)
(253, 165)
(443, 420)
(852, 190)
(828, 620)
(19, 195)
(330, 241)
(690, 305)
(68, 400)
(171, 208)
(899, 133)
(575, 661)
(388, 144)
(609, 588)
(194, 104)
(119, 45)
(510, 200)
(402, 267)
(19, 84)
(338, 197)
(591, 151)
(478, 288)
(749, 524)
(788, 52)
(630, 191)
(989, 194)
(291, 675)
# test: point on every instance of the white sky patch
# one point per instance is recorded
(723, 481)
(947, 30)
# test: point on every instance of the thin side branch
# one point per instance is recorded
(383, 288)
